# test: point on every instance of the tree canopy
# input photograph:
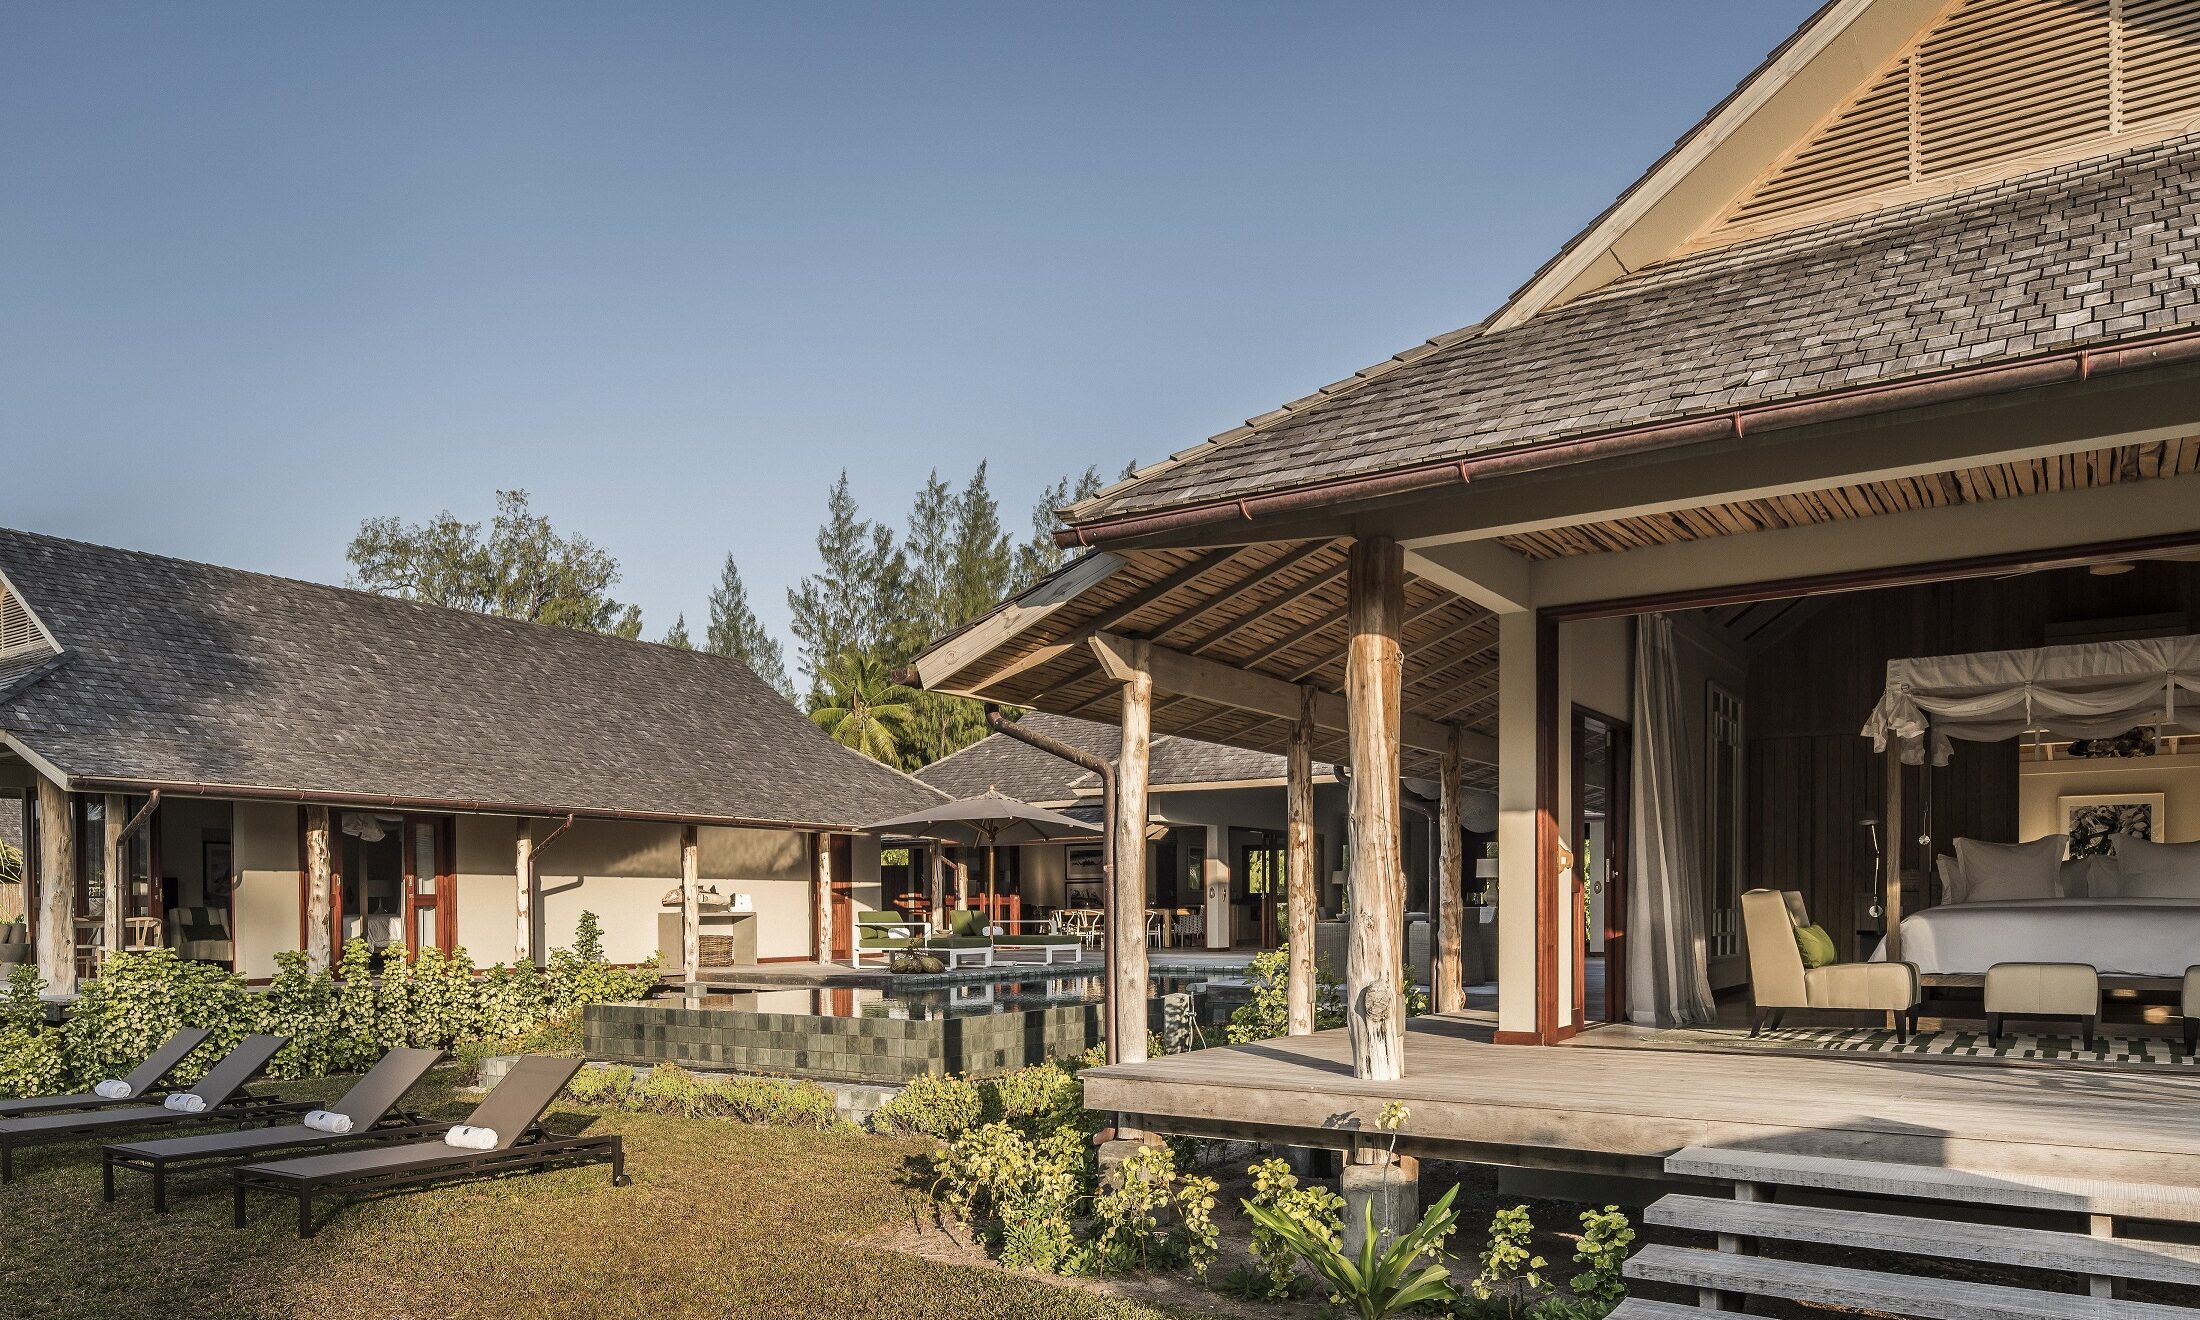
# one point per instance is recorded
(523, 568)
(735, 631)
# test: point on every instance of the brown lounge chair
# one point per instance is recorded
(221, 1089)
(142, 1079)
(513, 1110)
(370, 1104)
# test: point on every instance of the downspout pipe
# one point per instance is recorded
(534, 889)
(2068, 367)
(1100, 766)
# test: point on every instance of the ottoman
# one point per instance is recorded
(2042, 990)
(2190, 1009)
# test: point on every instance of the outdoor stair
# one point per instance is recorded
(1753, 1228)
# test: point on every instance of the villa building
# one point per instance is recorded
(262, 764)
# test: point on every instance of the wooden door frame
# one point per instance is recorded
(840, 904)
(445, 905)
(1618, 838)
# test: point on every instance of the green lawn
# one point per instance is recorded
(721, 1220)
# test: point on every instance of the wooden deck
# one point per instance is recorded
(1626, 1109)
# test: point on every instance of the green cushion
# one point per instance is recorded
(966, 921)
(958, 942)
(1816, 946)
(882, 917)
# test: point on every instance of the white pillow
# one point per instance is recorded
(2007, 872)
(2156, 870)
(322, 1120)
(2091, 876)
(1952, 888)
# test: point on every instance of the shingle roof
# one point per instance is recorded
(1026, 773)
(184, 673)
(2089, 253)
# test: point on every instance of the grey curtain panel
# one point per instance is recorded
(1667, 982)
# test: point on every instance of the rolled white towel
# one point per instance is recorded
(186, 1102)
(897, 932)
(466, 1137)
(114, 1088)
(321, 1120)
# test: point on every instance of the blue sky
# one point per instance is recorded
(276, 268)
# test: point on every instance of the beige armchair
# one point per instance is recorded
(1779, 981)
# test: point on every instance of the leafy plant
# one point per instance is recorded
(301, 1003)
(1602, 1284)
(21, 1007)
(588, 938)
(933, 1105)
(1316, 1211)
(1127, 1217)
(138, 1000)
(1380, 1280)
(1267, 1014)
(671, 1089)
(1511, 1271)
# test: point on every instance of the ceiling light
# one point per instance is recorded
(2112, 569)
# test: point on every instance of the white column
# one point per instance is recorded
(1516, 809)
(691, 918)
(523, 894)
(1214, 882)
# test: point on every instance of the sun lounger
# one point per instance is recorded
(370, 1105)
(220, 1089)
(512, 1111)
(142, 1080)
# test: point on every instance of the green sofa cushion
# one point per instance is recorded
(966, 922)
(958, 942)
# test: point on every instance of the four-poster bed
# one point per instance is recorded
(2134, 912)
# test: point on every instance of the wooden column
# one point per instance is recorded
(523, 894)
(114, 815)
(1127, 901)
(1299, 881)
(53, 907)
(320, 869)
(691, 911)
(821, 899)
(937, 865)
(1447, 961)
(1374, 965)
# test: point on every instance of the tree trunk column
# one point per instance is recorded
(1374, 973)
(114, 816)
(523, 895)
(937, 865)
(691, 914)
(54, 907)
(1447, 963)
(320, 871)
(1127, 902)
(1302, 905)
(821, 899)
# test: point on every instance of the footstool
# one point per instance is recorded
(2190, 1009)
(2042, 990)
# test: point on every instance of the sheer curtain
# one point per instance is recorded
(1667, 981)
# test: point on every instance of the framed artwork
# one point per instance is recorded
(2093, 820)
(214, 858)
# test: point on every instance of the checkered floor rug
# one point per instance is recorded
(2139, 1050)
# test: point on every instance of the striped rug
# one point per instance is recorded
(2152, 1051)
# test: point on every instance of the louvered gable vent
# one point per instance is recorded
(19, 631)
(1989, 90)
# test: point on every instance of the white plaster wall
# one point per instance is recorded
(2040, 785)
(487, 857)
(264, 843)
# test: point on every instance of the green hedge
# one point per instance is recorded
(671, 1089)
(337, 1022)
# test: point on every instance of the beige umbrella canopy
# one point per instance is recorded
(986, 821)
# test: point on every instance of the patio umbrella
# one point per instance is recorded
(986, 821)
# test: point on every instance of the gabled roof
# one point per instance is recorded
(184, 674)
(1024, 772)
(2088, 254)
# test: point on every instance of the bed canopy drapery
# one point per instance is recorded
(2081, 690)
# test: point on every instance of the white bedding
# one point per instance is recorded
(2114, 936)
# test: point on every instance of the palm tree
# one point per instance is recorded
(864, 708)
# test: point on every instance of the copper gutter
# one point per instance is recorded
(1841, 405)
(462, 806)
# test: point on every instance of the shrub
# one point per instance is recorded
(1602, 1284)
(1267, 1014)
(1381, 1279)
(612, 1088)
(21, 1007)
(779, 1102)
(301, 1004)
(1511, 1271)
(1318, 1211)
(32, 1062)
(671, 1089)
(933, 1105)
(140, 999)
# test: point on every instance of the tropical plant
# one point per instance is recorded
(1267, 1014)
(862, 707)
(11, 864)
(1602, 1285)
(1381, 1279)
(1512, 1274)
(1317, 1211)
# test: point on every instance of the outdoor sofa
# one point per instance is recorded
(368, 1112)
(510, 1115)
(887, 932)
(139, 1083)
(220, 1093)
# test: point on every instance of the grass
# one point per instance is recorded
(722, 1220)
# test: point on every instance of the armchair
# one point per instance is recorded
(1779, 981)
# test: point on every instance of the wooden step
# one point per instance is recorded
(1834, 1285)
(2030, 1191)
(1642, 1308)
(1994, 1244)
